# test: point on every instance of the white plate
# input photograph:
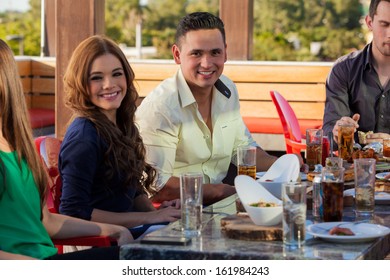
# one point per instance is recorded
(382, 166)
(382, 175)
(380, 197)
(260, 174)
(364, 232)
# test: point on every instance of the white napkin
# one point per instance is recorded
(284, 169)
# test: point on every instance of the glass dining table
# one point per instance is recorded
(213, 244)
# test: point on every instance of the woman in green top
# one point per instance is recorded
(26, 225)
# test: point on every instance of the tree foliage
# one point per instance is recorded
(333, 23)
(283, 29)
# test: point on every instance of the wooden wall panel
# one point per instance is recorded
(75, 21)
(237, 16)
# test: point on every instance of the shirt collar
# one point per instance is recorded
(185, 93)
(186, 96)
(368, 61)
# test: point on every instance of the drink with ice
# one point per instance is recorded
(313, 154)
(191, 218)
(246, 161)
(333, 201)
(345, 141)
(191, 195)
(364, 199)
(294, 219)
(249, 170)
(294, 213)
(365, 170)
(314, 140)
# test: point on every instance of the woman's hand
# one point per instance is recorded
(123, 236)
(173, 203)
(167, 214)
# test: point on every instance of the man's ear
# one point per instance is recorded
(176, 54)
(369, 22)
(225, 52)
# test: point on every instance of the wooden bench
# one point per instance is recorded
(38, 79)
(302, 84)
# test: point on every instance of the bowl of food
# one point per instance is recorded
(275, 188)
(263, 208)
(284, 169)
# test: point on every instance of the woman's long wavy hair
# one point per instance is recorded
(126, 151)
(15, 124)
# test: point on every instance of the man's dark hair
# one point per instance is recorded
(374, 6)
(198, 21)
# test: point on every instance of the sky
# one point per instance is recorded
(19, 5)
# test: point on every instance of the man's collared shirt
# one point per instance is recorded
(352, 87)
(176, 138)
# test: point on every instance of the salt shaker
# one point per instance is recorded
(317, 197)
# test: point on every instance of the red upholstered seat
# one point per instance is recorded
(41, 117)
(49, 148)
(273, 125)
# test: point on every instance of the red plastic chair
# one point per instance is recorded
(49, 148)
(291, 128)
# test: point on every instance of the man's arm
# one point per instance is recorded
(264, 160)
(211, 192)
(337, 101)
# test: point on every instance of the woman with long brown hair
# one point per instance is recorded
(26, 225)
(102, 158)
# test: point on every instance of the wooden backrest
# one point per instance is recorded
(38, 79)
(302, 83)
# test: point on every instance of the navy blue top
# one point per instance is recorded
(82, 168)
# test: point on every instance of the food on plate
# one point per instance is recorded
(263, 204)
(349, 175)
(369, 153)
(311, 175)
(382, 186)
(363, 136)
(341, 231)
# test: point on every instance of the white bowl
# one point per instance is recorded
(275, 188)
(249, 191)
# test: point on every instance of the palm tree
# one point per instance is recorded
(128, 12)
(139, 10)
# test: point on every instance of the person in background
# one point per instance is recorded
(358, 87)
(192, 122)
(102, 158)
(26, 225)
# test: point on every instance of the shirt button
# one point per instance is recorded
(381, 116)
(383, 95)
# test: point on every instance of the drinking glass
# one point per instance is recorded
(364, 186)
(386, 148)
(333, 190)
(325, 149)
(313, 147)
(191, 195)
(246, 161)
(294, 213)
(333, 162)
(345, 141)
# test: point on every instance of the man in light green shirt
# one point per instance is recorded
(191, 122)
